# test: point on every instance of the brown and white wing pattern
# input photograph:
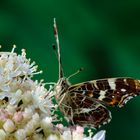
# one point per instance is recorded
(86, 111)
(110, 92)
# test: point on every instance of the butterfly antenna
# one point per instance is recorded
(55, 50)
(58, 50)
(78, 71)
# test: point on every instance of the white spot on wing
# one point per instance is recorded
(94, 82)
(102, 94)
(127, 99)
(125, 80)
(123, 90)
(86, 110)
(112, 84)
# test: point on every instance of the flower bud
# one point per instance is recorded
(9, 126)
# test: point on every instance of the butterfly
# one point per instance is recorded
(86, 103)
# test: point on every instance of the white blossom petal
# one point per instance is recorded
(100, 135)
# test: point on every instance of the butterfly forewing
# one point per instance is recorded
(111, 91)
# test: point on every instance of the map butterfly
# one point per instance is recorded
(85, 103)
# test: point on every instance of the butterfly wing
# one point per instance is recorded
(87, 111)
(111, 92)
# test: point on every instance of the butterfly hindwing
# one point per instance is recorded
(111, 91)
(87, 111)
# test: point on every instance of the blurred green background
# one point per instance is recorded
(101, 36)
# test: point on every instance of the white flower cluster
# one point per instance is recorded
(77, 133)
(25, 105)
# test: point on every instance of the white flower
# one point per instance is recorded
(66, 135)
(42, 99)
(26, 105)
(15, 97)
(100, 135)
(20, 134)
(2, 134)
(9, 126)
(32, 124)
(27, 114)
(78, 134)
(53, 137)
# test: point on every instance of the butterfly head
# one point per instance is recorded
(62, 86)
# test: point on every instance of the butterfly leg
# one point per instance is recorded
(61, 100)
(68, 111)
(71, 112)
